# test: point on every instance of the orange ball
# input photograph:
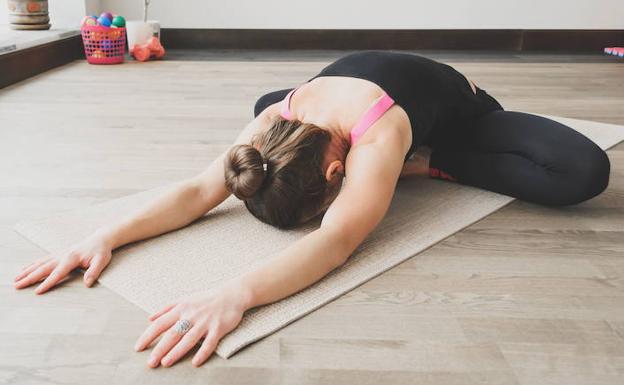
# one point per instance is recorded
(141, 53)
(115, 34)
(98, 54)
(154, 44)
(160, 53)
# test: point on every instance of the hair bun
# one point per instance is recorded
(244, 171)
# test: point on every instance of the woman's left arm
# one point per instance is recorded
(364, 199)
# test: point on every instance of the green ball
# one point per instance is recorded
(119, 21)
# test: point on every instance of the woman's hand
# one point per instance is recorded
(212, 316)
(93, 253)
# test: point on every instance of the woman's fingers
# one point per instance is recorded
(161, 312)
(39, 273)
(207, 347)
(60, 271)
(169, 339)
(98, 263)
(28, 269)
(154, 330)
(187, 343)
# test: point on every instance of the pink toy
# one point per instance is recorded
(143, 52)
(615, 51)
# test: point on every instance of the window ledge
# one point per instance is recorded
(12, 40)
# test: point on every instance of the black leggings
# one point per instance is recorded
(521, 155)
(525, 156)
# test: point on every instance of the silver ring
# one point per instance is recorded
(182, 326)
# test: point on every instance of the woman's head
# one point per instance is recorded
(295, 186)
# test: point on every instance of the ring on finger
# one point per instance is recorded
(182, 326)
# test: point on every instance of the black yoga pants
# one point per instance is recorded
(521, 155)
(525, 156)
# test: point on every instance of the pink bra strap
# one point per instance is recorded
(285, 110)
(370, 116)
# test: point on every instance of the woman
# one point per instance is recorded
(363, 117)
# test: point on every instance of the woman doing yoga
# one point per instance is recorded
(372, 118)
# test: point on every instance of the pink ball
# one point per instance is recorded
(107, 15)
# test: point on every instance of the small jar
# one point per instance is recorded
(28, 14)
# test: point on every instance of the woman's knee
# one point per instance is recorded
(587, 175)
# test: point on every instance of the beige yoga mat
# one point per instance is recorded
(228, 241)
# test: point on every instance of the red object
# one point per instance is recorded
(103, 45)
(143, 52)
(437, 173)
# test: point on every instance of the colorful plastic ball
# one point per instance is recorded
(119, 21)
(104, 21)
(89, 20)
(97, 35)
(98, 54)
(114, 34)
(107, 45)
(107, 15)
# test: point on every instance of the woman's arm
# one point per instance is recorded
(178, 206)
(185, 201)
(182, 203)
(373, 171)
(361, 204)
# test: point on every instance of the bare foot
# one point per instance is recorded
(418, 163)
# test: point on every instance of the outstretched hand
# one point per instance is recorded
(211, 316)
(93, 253)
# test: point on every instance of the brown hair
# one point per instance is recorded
(293, 187)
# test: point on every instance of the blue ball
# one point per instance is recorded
(104, 21)
(107, 45)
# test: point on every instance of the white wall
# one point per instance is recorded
(374, 14)
(4, 11)
(366, 14)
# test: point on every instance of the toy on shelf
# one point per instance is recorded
(104, 38)
(615, 51)
(143, 52)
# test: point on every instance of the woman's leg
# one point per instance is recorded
(266, 100)
(527, 157)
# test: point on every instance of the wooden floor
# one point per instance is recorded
(529, 295)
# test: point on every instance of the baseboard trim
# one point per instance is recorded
(22, 64)
(442, 39)
(25, 63)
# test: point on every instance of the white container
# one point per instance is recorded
(139, 31)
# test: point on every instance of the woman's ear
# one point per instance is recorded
(335, 168)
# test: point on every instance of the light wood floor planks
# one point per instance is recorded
(529, 295)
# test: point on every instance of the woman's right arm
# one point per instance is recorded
(178, 206)
(187, 201)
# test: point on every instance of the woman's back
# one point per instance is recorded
(349, 104)
(434, 96)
